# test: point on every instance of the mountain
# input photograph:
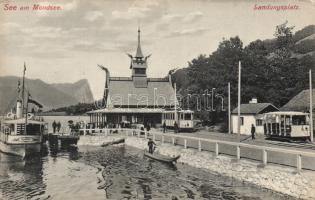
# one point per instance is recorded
(47, 94)
(80, 90)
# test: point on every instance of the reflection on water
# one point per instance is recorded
(20, 179)
(113, 173)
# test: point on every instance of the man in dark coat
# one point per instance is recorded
(151, 146)
(58, 126)
(175, 127)
(54, 125)
(164, 127)
(253, 131)
(148, 127)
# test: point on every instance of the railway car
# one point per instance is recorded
(287, 126)
(184, 119)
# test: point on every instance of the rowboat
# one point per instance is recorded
(161, 158)
(113, 142)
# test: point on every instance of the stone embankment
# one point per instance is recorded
(274, 177)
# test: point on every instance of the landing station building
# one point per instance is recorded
(136, 99)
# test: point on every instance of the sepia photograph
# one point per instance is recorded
(157, 99)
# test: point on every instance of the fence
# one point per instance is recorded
(201, 144)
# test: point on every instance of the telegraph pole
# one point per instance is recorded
(311, 106)
(239, 103)
(175, 105)
(229, 106)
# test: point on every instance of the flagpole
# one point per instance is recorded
(26, 113)
(23, 88)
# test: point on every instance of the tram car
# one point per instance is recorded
(288, 126)
(185, 119)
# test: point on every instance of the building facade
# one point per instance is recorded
(251, 113)
(137, 99)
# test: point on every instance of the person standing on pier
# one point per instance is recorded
(58, 126)
(148, 127)
(175, 127)
(164, 127)
(253, 131)
(54, 126)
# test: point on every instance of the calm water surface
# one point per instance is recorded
(116, 172)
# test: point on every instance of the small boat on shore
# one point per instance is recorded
(113, 142)
(161, 158)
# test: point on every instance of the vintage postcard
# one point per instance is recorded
(157, 99)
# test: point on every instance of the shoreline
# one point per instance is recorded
(279, 179)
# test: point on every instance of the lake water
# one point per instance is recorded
(114, 172)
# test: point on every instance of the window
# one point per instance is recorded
(242, 121)
(187, 116)
(259, 122)
(299, 120)
(139, 71)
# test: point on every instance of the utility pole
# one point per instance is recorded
(212, 95)
(229, 106)
(311, 107)
(239, 102)
(175, 105)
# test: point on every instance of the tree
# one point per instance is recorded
(284, 40)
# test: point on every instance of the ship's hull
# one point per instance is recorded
(22, 150)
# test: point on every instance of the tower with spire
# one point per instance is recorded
(139, 66)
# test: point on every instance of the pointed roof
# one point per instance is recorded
(139, 52)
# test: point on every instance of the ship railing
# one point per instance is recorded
(203, 142)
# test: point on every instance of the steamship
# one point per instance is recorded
(21, 132)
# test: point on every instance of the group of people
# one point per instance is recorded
(56, 126)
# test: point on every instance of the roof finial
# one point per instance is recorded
(139, 52)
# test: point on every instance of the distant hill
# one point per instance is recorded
(80, 90)
(49, 95)
(304, 45)
(273, 70)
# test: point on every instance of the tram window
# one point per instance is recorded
(187, 116)
(298, 120)
(181, 116)
(259, 122)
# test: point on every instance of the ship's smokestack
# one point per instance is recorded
(19, 109)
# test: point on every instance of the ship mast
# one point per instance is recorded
(23, 99)
(23, 89)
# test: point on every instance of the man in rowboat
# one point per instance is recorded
(151, 145)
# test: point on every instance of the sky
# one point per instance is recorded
(63, 46)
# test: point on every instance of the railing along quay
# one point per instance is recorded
(152, 134)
